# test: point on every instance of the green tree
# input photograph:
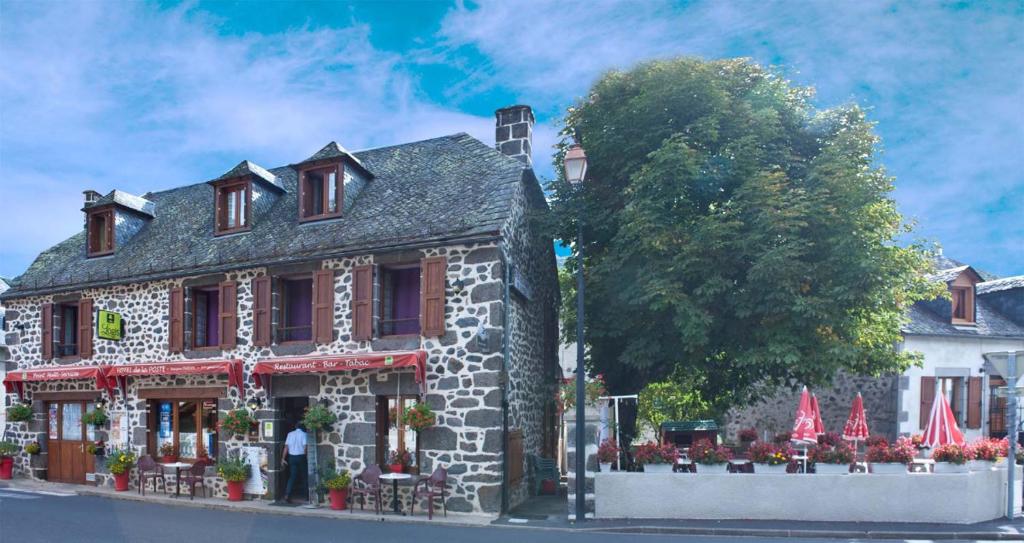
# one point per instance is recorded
(733, 234)
(670, 400)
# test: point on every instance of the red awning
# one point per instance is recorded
(15, 380)
(343, 362)
(118, 375)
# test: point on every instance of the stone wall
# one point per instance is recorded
(776, 413)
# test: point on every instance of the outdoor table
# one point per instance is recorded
(394, 478)
(178, 466)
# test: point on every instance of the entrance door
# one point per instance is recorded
(68, 437)
(290, 411)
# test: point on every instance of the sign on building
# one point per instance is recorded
(110, 325)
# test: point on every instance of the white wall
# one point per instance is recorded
(946, 355)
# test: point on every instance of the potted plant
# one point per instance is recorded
(96, 417)
(891, 459)
(656, 458)
(951, 458)
(238, 422)
(33, 448)
(95, 448)
(607, 454)
(167, 453)
(770, 458)
(399, 461)
(711, 456)
(119, 463)
(19, 413)
(984, 453)
(234, 471)
(419, 416)
(834, 460)
(318, 417)
(337, 488)
(7, 451)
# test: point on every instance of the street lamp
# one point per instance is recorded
(575, 163)
(1005, 364)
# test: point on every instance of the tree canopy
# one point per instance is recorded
(734, 236)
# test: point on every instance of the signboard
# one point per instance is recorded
(110, 325)
(413, 359)
(256, 457)
(165, 419)
(118, 427)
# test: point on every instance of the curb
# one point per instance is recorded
(823, 534)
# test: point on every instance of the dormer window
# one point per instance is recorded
(101, 232)
(234, 203)
(320, 192)
(963, 305)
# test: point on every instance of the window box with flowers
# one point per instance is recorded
(886, 459)
(833, 460)
(769, 458)
(607, 454)
(984, 454)
(656, 458)
(951, 458)
(710, 457)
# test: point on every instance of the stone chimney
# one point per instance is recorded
(513, 133)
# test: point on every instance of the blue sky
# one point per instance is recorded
(143, 97)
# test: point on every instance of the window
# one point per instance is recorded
(190, 426)
(296, 317)
(400, 300)
(67, 331)
(101, 232)
(320, 192)
(392, 436)
(963, 304)
(952, 388)
(233, 207)
(205, 318)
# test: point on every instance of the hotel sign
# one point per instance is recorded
(110, 325)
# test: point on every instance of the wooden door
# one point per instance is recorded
(68, 438)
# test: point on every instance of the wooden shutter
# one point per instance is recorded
(515, 456)
(228, 314)
(974, 402)
(176, 326)
(323, 306)
(85, 328)
(432, 272)
(927, 397)
(362, 303)
(261, 301)
(47, 325)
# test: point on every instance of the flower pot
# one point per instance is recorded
(980, 465)
(832, 469)
(396, 468)
(6, 467)
(949, 467)
(169, 458)
(605, 468)
(718, 468)
(338, 498)
(657, 468)
(777, 469)
(235, 489)
(121, 481)
(888, 468)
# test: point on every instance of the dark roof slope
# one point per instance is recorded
(990, 322)
(1006, 283)
(452, 187)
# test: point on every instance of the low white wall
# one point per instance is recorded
(960, 498)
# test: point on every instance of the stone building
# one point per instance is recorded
(362, 281)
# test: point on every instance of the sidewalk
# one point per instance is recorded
(251, 506)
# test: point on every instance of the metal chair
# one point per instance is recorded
(434, 486)
(367, 484)
(149, 470)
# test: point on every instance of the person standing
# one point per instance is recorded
(294, 457)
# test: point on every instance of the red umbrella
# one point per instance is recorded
(819, 425)
(803, 426)
(942, 428)
(856, 427)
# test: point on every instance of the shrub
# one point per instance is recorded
(842, 453)
(8, 448)
(19, 413)
(33, 448)
(748, 435)
(337, 481)
(233, 470)
(607, 452)
(829, 439)
(652, 453)
(952, 453)
(238, 422)
(318, 417)
(120, 461)
(419, 417)
(704, 452)
(96, 417)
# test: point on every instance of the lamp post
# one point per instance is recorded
(1006, 365)
(575, 163)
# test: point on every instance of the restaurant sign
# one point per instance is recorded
(110, 325)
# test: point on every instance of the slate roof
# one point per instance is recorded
(427, 192)
(333, 150)
(1017, 281)
(932, 318)
(947, 275)
(246, 167)
(126, 200)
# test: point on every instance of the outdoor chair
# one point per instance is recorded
(434, 486)
(149, 470)
(543, 469)
(367, 484)
(194, 476)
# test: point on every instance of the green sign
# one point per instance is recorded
(110, 325)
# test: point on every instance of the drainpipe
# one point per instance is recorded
(506, 310)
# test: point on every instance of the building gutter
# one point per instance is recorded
(507, 312)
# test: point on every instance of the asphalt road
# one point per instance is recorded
(36, 517)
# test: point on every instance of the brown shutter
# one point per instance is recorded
(228, 314)
(362, 303)
(261, 311)
(305, 199)
(927, 397)
(85, 328)
(47, 324)
(432, 271)
(176, 326)
(974, 402)
(323, 306)
(110, 232)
